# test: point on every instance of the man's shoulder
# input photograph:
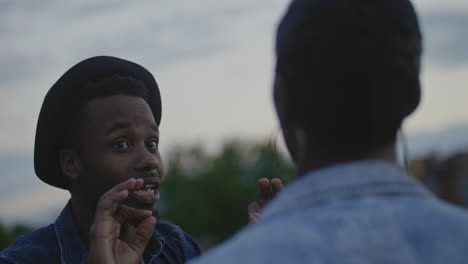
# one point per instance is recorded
(169, 231)
(177, 241)
(32, 247)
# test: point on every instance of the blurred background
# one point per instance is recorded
(213, 60)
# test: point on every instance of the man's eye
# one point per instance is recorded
(152, 144)
(121, 145)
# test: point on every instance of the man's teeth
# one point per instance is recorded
(145, 192)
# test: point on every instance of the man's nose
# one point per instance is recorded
(146, 160)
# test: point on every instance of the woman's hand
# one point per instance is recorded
(268, 191)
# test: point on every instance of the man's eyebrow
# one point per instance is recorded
(117, 126)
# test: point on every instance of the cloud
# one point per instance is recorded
(47, 36)
(33, 207)
(445, 37)
(440, 6)
(443, 142)
(187, 40)
(16, 68)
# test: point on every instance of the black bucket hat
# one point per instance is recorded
(60, 104)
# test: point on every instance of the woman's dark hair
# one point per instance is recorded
(351, 69)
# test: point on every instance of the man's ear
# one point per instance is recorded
(70, 164)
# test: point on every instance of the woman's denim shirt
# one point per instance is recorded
(361, 212)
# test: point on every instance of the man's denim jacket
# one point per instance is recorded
(60, 243)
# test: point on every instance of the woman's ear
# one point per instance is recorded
(70, 164)
(288, 103)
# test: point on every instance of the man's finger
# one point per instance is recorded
(125, 213)
(276, 186)
(138, 184)
(126, 185)
(104, 223)
(265, 190)
(105, 208)
(143, 235)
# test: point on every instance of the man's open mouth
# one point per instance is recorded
(147, 194)
(146, 189)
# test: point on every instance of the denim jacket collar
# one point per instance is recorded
(353, 179)
(72, 249)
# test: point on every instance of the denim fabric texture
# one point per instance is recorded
(356, 213)
(60, 243)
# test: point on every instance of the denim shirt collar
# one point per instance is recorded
(72, 249)
(347, 180)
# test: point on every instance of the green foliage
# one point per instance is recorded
(9, 235)
(207, 195)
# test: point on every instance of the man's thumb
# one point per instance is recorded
(143, 235)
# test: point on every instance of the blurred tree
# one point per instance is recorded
(207, 195)
(9, 235)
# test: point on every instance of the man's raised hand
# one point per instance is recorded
(107, 245)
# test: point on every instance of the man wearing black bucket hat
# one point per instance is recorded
(97, 136)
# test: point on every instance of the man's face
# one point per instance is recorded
(120, 141)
